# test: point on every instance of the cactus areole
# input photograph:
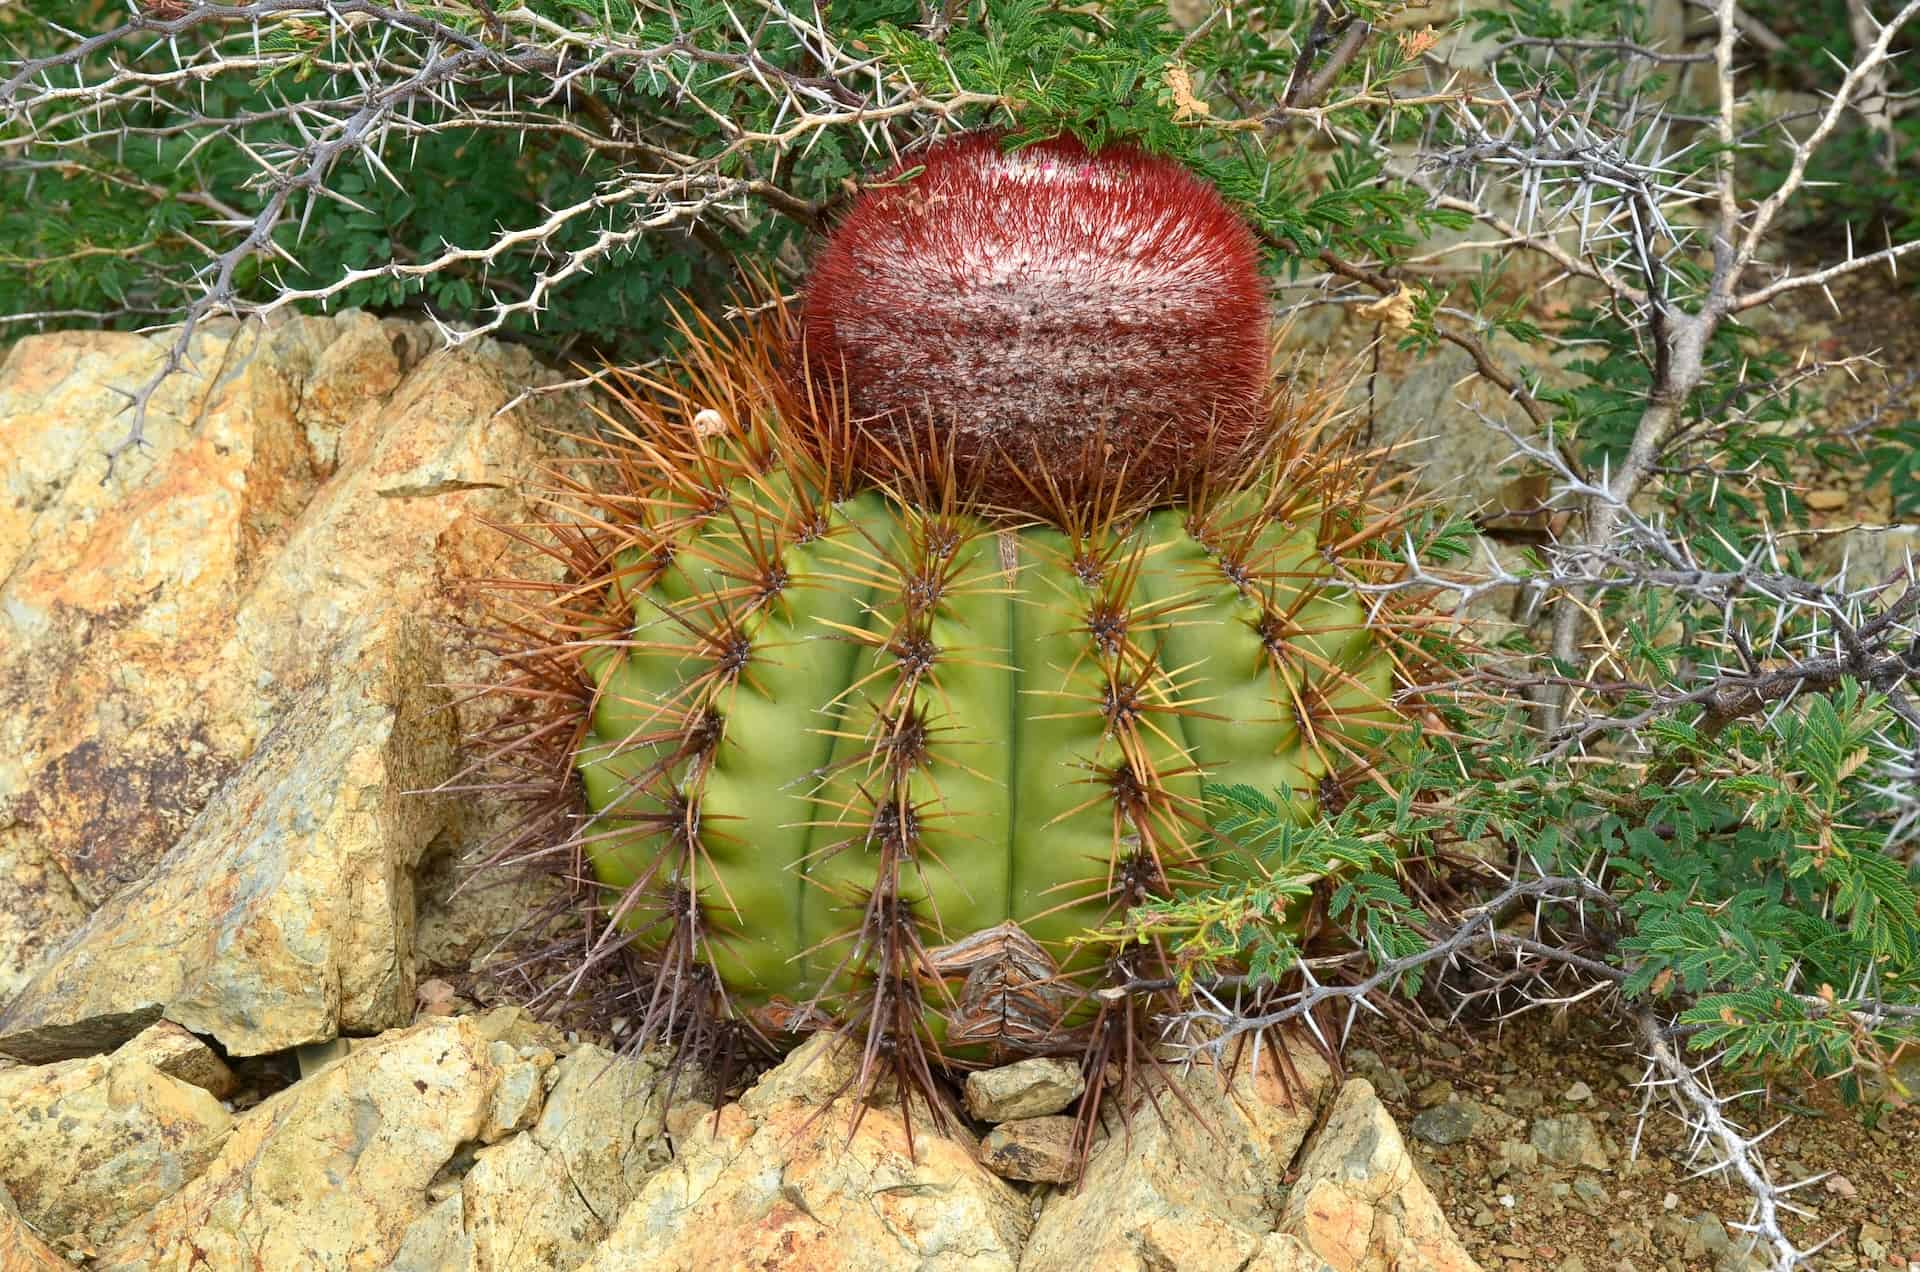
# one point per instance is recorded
(899, 635)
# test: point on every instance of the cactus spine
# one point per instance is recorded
(862, 747)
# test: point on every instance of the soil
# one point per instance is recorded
(1648, 1208)
(1869, 316)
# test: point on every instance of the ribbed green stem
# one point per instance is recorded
(890, 691)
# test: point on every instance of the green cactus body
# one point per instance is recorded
(831, 739)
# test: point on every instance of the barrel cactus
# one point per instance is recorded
(855, 722)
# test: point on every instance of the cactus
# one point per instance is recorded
(863, 747)
(1040, 308)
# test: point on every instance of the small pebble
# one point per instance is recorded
(1030, 1088)
(1447, 1123)
(1035, 1149)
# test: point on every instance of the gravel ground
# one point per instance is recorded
(1533, 1137)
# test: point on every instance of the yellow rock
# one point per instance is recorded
(86, 1145)
(296, 481)
(21, 1249)
(284, 915)
(787, 1179)
(1359, 1202)
(1194, 1180)
(371, 1163)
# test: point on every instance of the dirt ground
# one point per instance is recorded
(1487, 1089)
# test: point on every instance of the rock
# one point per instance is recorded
(285, 914)
(545, 1198)
(463, 916)
(684, 1117)
(1283, 1253)
(519, 1093)
(1359, 1202)
(815, 1073)
(313, 1057)
(21, 1249)
(1705, 1243)
(87, 1145)
(178, 1054)
(1194, 1178)
(1432, 411)
(1365, 1063)
(1514, 1156)
(298, 477)
(791, 1177)
(1880, 557)
(1037, 1149)
(1030, 1088)
(1578, 1093)
(1569, 1140)
(1450, 1123)
(1875, 1240)
(377, 1161)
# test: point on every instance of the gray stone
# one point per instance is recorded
(1569, 1140)
(1517, 1156)
(1448, 1123)
(1587, 1188)
(1365, 1063)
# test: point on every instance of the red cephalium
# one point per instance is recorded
(1059, 317)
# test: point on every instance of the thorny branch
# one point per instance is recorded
(1679, 336)
(1603, 188)
(1603, 195)
(1491, 956)
(1705, 1114)
(1873, 632)
(401, 72)
(1593, 184)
